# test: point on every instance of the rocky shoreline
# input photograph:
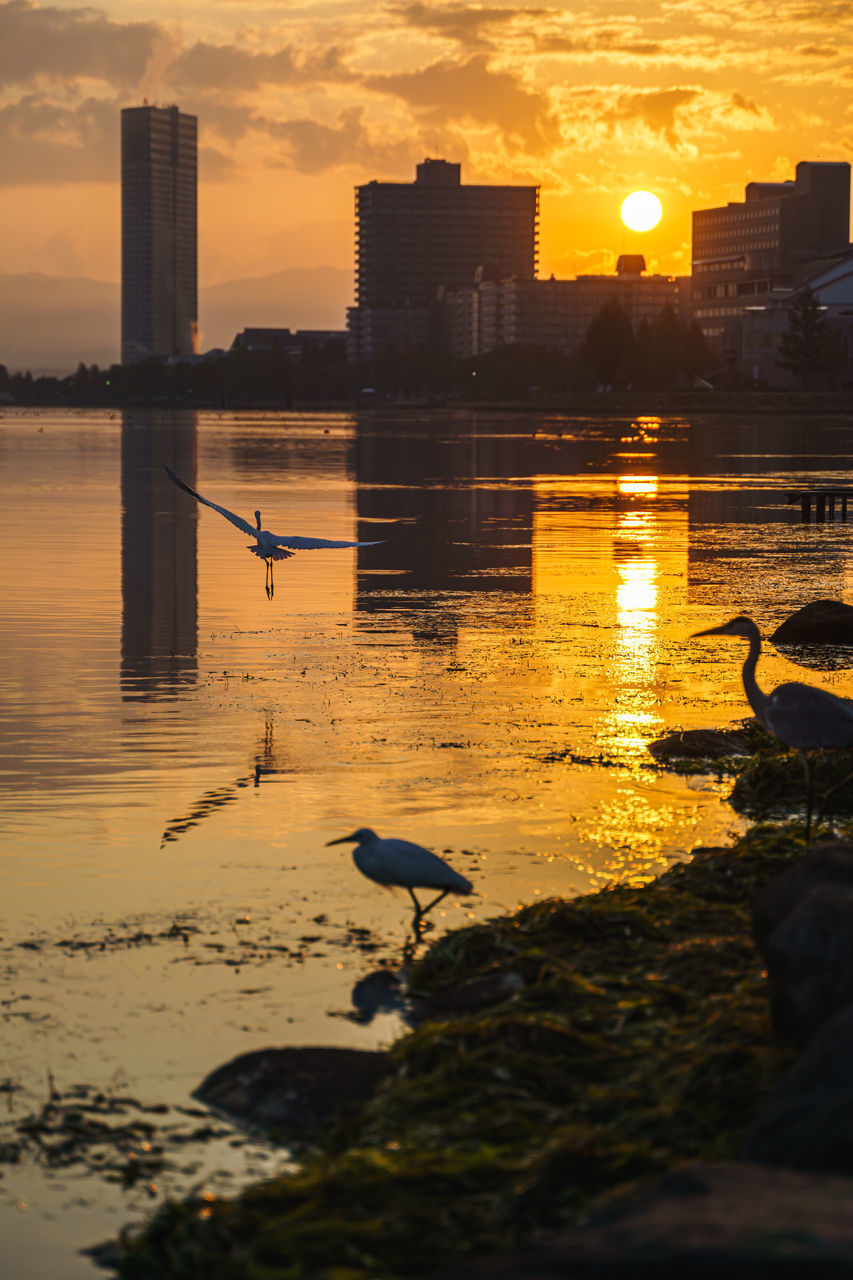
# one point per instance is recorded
(568, 1053)
(696, 1029)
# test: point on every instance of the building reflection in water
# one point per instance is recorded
(159, 626)
(459, 524)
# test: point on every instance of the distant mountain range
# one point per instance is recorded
(48, 324)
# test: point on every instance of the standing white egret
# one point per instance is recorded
(799, 715)
(399, 862)
(269, 546)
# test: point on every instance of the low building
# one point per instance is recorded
(747, 253)
(291, 344)
(755, 342)
(552, 314)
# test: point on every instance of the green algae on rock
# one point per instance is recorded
(637, 1039)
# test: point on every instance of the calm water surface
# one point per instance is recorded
(176, 749)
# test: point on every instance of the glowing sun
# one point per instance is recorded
(641, 211)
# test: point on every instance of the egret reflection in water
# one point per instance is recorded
(267, 546)
(266, 764)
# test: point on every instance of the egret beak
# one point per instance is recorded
(353, 839)
(712, 631)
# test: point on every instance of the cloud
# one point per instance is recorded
(311, 147)
(471, 92)
(42, 142)
(657, 110)
(464, 23)
(58, 43)
(600, 42)
(226, 67)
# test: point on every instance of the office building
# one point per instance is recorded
(414, 237)
(779, 235)
(159, 273)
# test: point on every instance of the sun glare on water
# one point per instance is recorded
(641, 210)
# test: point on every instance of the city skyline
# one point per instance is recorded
(298, 107)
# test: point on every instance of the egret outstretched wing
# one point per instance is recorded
(223, 511)
(296, 543)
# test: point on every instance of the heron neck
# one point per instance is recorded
(757, 700)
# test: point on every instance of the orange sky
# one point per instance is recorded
(298, 102)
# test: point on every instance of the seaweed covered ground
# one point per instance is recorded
(769, 778)
(636, 1037)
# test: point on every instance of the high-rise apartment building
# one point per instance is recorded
(414, 237)
(778, 235)
(159, 241)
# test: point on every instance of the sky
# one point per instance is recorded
(300, 102)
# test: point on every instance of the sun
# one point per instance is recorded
(641, 211)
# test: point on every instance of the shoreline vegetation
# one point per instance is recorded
(565, 1054)
(615, 404)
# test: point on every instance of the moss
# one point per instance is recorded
(773, 783)
(639, 1039)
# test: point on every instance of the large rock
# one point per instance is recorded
(828, 862)
(821, 622)
(706, 1222)
(700, 744)
(810, 962)
(807, 1122)
(287, 1093)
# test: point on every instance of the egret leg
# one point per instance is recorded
(269, 586)
(835, 787)
(809, 789)
(418, 908)
(434, 902)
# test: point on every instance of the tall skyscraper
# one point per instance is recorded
(413, 237)
(159, 240)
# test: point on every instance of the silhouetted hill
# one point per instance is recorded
(48, 324)
(296, 298)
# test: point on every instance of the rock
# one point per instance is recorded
(700, 744)
(741, 1221)
(807, 1122)
(810, 962)
(466, 997)
(827, 862)
(289, 1092)
(821, 622)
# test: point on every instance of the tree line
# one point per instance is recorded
(657, 355)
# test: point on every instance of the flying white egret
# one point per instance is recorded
(269, 546)
(799, 715)
(399, 862)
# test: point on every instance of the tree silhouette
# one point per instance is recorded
(609, 349)
(803, 344)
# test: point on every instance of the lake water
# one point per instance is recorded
(176, 749)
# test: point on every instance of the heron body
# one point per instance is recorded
(399, 862)
(268, 546)
(799, 715)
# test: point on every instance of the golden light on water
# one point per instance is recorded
(637, 594)
(637, 486)
(641, 210)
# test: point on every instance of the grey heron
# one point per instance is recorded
(268, 546)
(399, 862)
(799, 715)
